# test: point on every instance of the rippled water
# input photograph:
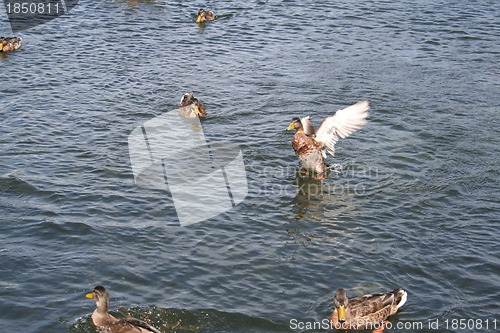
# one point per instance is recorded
(413, 202)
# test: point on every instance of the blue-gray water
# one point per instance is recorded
(415, 205)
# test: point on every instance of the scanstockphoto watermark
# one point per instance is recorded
(25, 14)
(171, 153)
(311, 189)
(352, 169)
(430, 324)
(326, 324)
(342, 180)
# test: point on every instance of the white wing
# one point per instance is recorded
(308, 126)
(342, 124)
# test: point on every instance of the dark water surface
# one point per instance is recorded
(414, 202)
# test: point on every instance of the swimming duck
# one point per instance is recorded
(10, 43)
(205, 16)
(191, 107)
(311, 147)
(109, 324)
(365, 312)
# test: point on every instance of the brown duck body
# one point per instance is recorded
(191, 107)
(106, 323)
(309, 152)
(312, 146)
(368, 311)
(8, 44)
(109, 324)
(205, 16)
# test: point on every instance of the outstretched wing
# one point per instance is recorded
(308, 126)
(342, 124)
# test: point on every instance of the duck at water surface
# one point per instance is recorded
(311, 147)
(106, 323)
(8, 44)
(191, 107)
(205, 16)
(365, 312)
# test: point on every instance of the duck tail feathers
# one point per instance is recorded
(400, 297)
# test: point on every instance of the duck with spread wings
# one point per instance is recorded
(311, 147)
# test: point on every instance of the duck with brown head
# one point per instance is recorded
(105, 322)
(205, 16)
(365, 312)
(8, 44)
(191, 107)
(311, 147)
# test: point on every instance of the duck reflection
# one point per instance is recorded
(321, 202)
(309, 191)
